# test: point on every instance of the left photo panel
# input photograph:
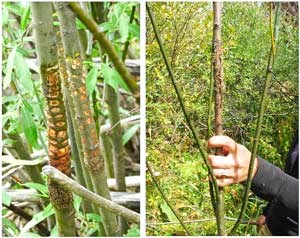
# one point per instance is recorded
(70, 119)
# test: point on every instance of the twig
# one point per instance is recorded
(107, 46)
(127, 41)
(81, 191)
(11, 172)
(166, 199)
(20, 212)
(200, 220)
(202, 151)
(269, 75)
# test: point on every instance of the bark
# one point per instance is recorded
(76, 148)
(107, 46)
(219, 93)
(112, 100)
(58, 147)
(92, 197)
(86, 124)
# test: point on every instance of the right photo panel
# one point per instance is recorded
(222, 118)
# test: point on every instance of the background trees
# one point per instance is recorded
(246, 44)
(82, 68)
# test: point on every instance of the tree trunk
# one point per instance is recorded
(219, 92)
(83, 115)
(58, 147)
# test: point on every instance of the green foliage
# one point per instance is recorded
(186, 31)
(113, 78)
(129, 133)
(37, 218)
(6, 199)
(133, 232)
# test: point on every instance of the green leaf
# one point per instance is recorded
(6, 199)
(113, 78)
(106, 27)
(37, 218)
(23, 72)
(9, 68)
(77, 202)
(30, 234)
(108, 76)
(167, 210)
(37, 186)
(29, 128)
(79, 25)
(25, 17)
(134, 30)
(9, 227)
(124, 20)
(133, 232)
(91, 80)
(7, 141)
(94, 217)
(4, 16)
(129, 133)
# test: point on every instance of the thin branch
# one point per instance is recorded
(263, 102)
(20, 212)
(200, 220)
(97, 200)
(202, 151)
(165, 198)
(127, 41)
(107, 46)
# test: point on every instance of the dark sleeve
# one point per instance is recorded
(270, 183)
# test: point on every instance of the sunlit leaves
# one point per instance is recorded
(25, 18)
(113, 78)
(6, 199)
(22, 72)
(29, 128)
(129, 133)
(37, 218)
(91, 79)
(9, 67)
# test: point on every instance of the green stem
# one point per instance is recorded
(58, 145)
(127, 41)
(107, 46)
(83, 114)
(166, 199)
(202, 151)
(263, 102)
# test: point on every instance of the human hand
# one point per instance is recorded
(261, 221)
(231, 167)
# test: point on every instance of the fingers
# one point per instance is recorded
(222, 162)
(228, 173)
(222, 141)
(222, 182)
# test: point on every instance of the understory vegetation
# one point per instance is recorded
(186, 30)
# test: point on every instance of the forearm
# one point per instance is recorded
(271, 183)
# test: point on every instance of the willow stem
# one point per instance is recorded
(166, 199)
(202, 151)
(219, 94)
(263, 102)
(107, 46)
